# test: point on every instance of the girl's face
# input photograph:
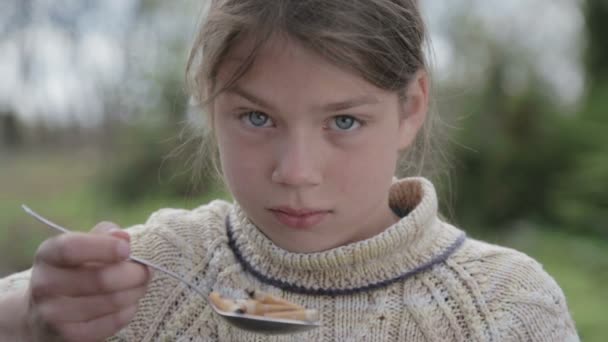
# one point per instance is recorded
(308, 149)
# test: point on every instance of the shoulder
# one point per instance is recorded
(212, 211)
(497, 263)
(182, 227)
(179, 237)
(524, 301)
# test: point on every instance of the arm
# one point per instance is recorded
(533, 317)
(12, 307)
(528, 304)
(537, 324)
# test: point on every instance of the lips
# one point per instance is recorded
(299, 218)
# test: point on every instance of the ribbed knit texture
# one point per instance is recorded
(419, 280)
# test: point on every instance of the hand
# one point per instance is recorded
(82, 287)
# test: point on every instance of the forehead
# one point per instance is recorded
(284, 65)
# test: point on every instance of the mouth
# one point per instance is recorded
(299, 218)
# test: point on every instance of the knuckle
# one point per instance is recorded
(115, 301)
(80, 332)
(108, 224)
(68, 248)
(58, 249)
(62, 330)
(45, 326)
(73, 332)
(39, 288)
(139, 274)
(104, 226)
(43, 250)
(101, 281)
(122, 318)
(46, 313)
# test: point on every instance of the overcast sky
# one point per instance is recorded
(78, 49)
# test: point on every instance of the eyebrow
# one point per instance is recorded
(329, 107)
(350, 103)
(249, 97)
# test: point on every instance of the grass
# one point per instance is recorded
(61, 186)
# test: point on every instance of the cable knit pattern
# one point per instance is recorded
(399, 251)
(419, 280)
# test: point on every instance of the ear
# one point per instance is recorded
(414, 108)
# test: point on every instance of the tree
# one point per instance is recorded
(10, 131)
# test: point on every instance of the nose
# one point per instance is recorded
(298, 162)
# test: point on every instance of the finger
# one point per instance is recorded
(86, 281)
(58, 310)
(97, 329)
(120, 234)
(104, 227)
(74, 249)
(111, 229)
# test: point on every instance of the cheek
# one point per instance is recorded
(365, 166)
(242, 164)
(236, 158)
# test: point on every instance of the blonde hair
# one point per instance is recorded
(379, 40)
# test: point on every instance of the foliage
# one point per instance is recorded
(520, 157)
(153, 160)
(535, 164)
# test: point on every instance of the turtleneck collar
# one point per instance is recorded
(415, 243)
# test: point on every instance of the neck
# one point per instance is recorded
(415, 243)
(375, 226)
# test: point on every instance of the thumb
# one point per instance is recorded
(104, 227)
(111, 228)
(121, 234)
(108, 228)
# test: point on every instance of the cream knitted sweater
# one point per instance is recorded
(419, 280)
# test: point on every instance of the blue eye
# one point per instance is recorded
(256, 119)
(345, 123)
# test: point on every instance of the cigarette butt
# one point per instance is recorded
(270, 308)
(223, 304)
(255, 307)
(267, 298)
(299, 315)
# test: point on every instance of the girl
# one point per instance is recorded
(312, 105)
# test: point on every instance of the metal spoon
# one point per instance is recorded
(259, 324)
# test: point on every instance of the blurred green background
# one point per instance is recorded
(95, 125)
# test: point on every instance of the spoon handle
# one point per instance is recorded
(132, 258)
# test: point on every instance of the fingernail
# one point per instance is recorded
(120, 234)
(123, 249)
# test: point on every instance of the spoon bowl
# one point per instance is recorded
(265, 325)
(258, 324)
